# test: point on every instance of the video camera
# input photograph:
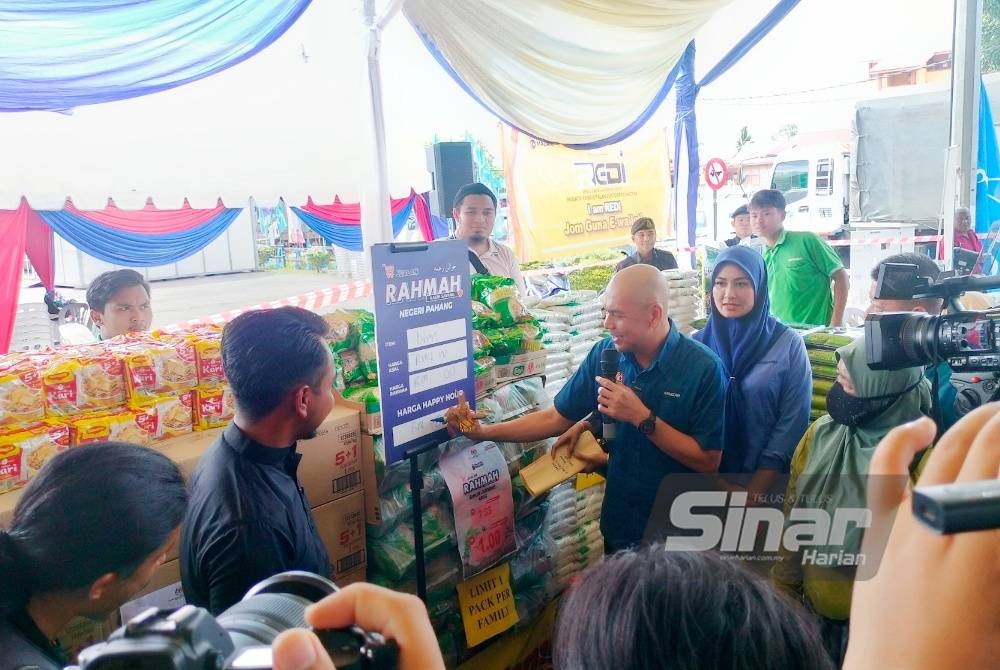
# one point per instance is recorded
(968, 341)
(240, 638)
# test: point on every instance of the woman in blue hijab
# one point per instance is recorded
(770, 383)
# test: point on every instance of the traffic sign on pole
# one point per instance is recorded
(716, 173)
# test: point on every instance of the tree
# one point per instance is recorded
(745, 138)
(990, 59)
(786, 132)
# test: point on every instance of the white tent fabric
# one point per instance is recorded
(571, 71)
(285, 123)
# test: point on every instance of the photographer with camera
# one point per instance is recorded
(933, 306)
(87, 534)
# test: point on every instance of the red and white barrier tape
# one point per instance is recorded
(312, 301)
(327, 297)
(359, 289)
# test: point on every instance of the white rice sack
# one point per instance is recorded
(568, 298)
(548, 315)
(589, 334)
(553, 336)
(557, 358)
(557, 347)
(575, 310)
(589, 323)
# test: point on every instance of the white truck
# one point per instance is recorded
(815, 181)
(890, 175)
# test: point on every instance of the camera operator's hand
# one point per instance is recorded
(935, 600)
(397, 616)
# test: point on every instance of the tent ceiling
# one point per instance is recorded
(283, 123)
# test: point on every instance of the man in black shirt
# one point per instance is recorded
(644, 237)
(249, 518)
(741, 226)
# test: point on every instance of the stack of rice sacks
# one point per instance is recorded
(573, 531)
(821, 345)
(573, 324)
(685, 303)
(391, 551)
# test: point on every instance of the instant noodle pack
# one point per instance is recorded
(139, 388)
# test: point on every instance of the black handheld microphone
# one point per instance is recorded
(609, 370)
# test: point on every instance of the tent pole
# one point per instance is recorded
(376, 217)
(965, 75)
(389, 13)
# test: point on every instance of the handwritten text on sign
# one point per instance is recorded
(487, 603)
(423, 325)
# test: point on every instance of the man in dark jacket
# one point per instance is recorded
(644, 238)
(249, 518)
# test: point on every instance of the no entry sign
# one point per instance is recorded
(716, 173)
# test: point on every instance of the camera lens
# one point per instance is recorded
(259, 619)
(919, 339)
(896, 340)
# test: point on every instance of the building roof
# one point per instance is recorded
(906, 62)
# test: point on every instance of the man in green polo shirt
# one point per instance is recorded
(800, 267)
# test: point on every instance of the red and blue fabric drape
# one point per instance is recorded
(339, 224)
(141, 238)
(13, 237)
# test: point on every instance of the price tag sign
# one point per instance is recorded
(487, 603)
(480, 487)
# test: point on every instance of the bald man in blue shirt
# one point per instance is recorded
(667, 404)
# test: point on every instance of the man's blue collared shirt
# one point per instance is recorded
(685, 387)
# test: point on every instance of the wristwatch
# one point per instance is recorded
(648, 425)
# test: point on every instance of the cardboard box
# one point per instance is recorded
(81, 633)
(331, 462)
(354, 576)
(369, 478)
(486, 383)
(186, 451)
(163, 591)
(522, 365)
(370, 414)
(341, 525)
(7, 503)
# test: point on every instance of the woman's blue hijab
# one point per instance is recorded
(740, 343)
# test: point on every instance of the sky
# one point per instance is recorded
(293, 113)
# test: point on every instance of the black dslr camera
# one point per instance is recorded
(969, 342)
(240, 638)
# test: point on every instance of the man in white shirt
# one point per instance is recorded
(475, 212)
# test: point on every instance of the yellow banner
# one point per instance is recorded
(565, 202)
(487, 603)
